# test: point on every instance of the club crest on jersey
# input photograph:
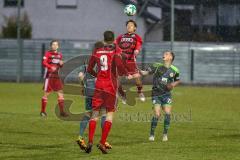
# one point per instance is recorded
(171, 75)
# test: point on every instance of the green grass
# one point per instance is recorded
(212, 133)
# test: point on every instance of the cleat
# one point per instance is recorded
(108, 146)
(43, 114)
(102, 148)
(124, 98)
(89, 148)
(63, 114)
(165, 138)
(151, 138)
(81, 144)
(124, 101)
(142, 97)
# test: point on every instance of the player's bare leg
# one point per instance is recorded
(139, 86)
(61, 103)
(167, 118)
(105, 131)
(44, 104)
(156, 115)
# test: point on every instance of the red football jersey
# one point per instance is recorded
(108, 63)
(128, 43)
(51, 59)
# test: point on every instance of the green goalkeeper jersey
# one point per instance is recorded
(161, 77)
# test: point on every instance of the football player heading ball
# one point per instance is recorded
(131, 44)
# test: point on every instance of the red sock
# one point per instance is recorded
(61, 104)
(44, 104)
(106, 129)
(121, 91)
(92, 127)
(139, 88)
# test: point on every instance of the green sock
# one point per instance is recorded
(83, 125)
(102, 121)
(166, 124)
(153, 125)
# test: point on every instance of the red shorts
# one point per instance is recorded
(104, 96)
(52, 84)
(131, 66)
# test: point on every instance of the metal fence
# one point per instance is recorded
(199, 63)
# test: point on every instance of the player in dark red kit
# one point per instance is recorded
(109, 64)
(52, 61)
(131, 44)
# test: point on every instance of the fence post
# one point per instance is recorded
(20, 61)
(143, 57)
(192, 66)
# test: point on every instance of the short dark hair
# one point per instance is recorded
(54, 40)
(173, 55)
(98, 44)
(131, 21)
(108, 36)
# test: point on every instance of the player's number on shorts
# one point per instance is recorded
(104, 62)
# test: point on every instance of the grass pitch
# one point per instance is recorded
(205, 126)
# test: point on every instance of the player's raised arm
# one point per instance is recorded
(150, 70)
(138, 45)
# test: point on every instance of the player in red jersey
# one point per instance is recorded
(109, 64)
(131, 44)
(52, 61)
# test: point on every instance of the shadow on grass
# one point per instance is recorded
(22, 132)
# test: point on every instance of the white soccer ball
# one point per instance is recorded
(130, 10)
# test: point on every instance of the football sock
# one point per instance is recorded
(83, 125)
(153, 125)
(121, 91)
(139, 88)
(44, 104)
(105, 131)
(102, 121)
(166, 124)
(61, 104)
(92, 128)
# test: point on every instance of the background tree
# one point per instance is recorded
(9, 29)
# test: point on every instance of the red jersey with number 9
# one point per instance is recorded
(108, 62)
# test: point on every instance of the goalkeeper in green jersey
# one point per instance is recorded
(165, 78)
